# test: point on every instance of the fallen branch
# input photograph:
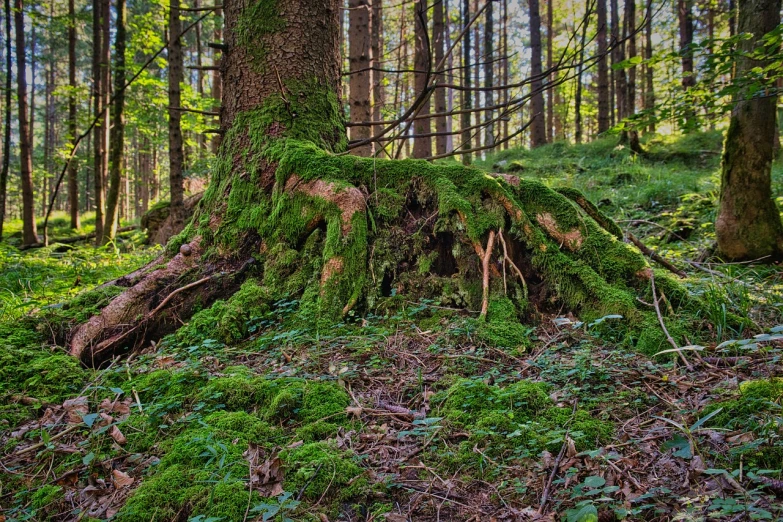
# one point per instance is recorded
(663, 324)
(73, 239)
(655, 257)
(485, 280)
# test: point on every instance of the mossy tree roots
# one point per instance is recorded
(343, 234)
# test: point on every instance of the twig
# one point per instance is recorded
(53, 437)
(663, 324)
(655, 257)
(545, 494)
(178, 290)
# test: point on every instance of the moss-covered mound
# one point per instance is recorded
(513, 422)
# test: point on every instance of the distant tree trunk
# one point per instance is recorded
(359, 22)
(117, 141)
(29, 231)
(7, 108)
(422, 141)
(476, 133)
(538, 125)
(217, 77)
(99, 131)
(578, 131)
(685, 15)
(489, 75)
(649, 97)
(73, 180)
(618, 55)
(176, 152)
(732, 17)
(378, 98)
(466, 94)
(603, 69)
(505, 71)
(630, 25)
(438, 41)
(550, 93)
(748, 225)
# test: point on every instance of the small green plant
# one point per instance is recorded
(279, 510)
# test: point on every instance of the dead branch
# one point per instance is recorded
(663, 324)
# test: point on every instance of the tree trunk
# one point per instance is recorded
(505, 71)
(550, 93)
(176, 152)
(359, 21)
(422, 130)
(287, 215)
(618, 55)
(538, 125)
(489, 76)
(466, 93)
(217, 76)
(649, 96)
(603, 69)
(630, 25)
(7, 108)
(439, 51)
(578, 131)
(29, 232)
(73, 180)
(378, 98)
(685, 16)
(99, 132)
(117, 137)
(748, 225)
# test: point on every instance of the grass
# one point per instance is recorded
(414, 410)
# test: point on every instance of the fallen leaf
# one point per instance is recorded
(117, 435)
(267, 477)
(354, 411)
(76, 408)
(119, 407)
(121, 479)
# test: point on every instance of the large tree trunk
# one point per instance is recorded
(603, 69)
(176, 152)
(438, 42)
(7, 121)
(538, 125)
(466, 94)
(73, 180)
(287, 215)
(117, 141)
(29, 232)
(359, 22)
(422, 131)
(748, 225)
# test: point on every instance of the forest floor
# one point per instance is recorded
(411, 414)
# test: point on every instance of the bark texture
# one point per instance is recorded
(176, 148)
(538, 125)
(117, 132)
(422, 141)
(438, 42)
(73, 180)
(359, 56)
(748, 225)
(7, 111)
(29, 232)
(603, 69)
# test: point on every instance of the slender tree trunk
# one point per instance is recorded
(489, 75)
(603, 70)
(550, 93)
(29, 231)
(176, 152)
(217, 76)
(618, 55)
(685, 15)
(732, 17)
(422, 142)
(117, 138)
(578, 131)
(505, 72)
(73, 180)
(649, 95)
(466, 94)
(630, 24)
(7, 109)
(748, 225)
(378, 94)
(438, 40)
(99, 133)
(359, 20)
(538, 125)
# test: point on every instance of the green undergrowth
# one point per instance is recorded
(512, 422)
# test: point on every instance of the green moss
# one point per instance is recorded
(257, 22)
(326, 471)
(45, 496)
(755, 401)
(503, 327)
(227, 321)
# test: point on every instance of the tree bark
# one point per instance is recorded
(578, 131)
(99, 132)
(466, 94)
(217, 76)
(29, 231)
(489, 76)
(550, 93)
(537, 115)
(422, 130)
(630, 24)
(439, 51)
(7, 109)
(176, 152)
(359, 22)
(73, 180)
(748, 224)
(618, 55)
(117, 137)
(649, 95)
(685, 16)
(378, 89)
(603, 69)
